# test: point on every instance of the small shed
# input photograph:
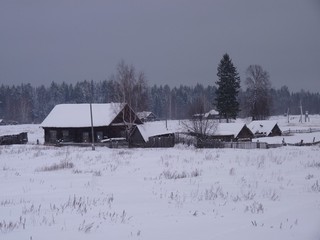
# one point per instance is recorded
(146, 116)
(151, 135)
(20, 138)
(265, 128)
(71, 123)
(232, 132)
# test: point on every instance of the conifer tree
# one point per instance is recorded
(228, 88)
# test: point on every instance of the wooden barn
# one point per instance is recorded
(71, 123)
(265, 128)
(228, 132)
(146, 116)
(151, 135)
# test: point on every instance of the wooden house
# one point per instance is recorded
(151, 135)
(228, 132)
(146, 116)
(265, 128)
(72, 122)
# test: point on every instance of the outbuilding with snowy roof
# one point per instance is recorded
(152, 134)
(265, 128)
(231, 132)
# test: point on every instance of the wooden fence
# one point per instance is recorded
(246, 145)
(239, 145)
(309, 130)
(185, 138)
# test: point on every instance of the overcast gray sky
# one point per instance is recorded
(173, 41)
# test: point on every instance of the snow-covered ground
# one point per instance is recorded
(178, 193)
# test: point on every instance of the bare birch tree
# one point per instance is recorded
(258, 92)
(199, 125)
(132, 87)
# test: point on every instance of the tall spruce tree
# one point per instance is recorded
(228, 88)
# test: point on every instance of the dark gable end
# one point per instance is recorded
(136, 139)
(126, 115)
(276, 131)
(245, 134)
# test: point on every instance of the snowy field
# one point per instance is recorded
(178, 193)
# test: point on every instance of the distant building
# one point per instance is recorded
(146, 116)
(72, 122)
(265, 128)
(212, 114)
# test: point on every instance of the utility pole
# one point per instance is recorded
(301, 113)
(92, 131)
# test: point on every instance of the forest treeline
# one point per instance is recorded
(28, 104)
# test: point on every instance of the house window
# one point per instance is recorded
(99, 136)
(65, 135)
(52, 135)
(123, 133)
(85, 137)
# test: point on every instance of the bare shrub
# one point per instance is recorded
(232, 172)
(167, 174)
(97, 173)
(10, 226)
(316, 187)
(77, 171)
(272, 195)
(6, 202)
(173, 175)
(85, 227)
(248, 195)
(54, 167)
(124, 152)
(213, 193)
(195, 173)
(309, 176)
(313, 164)
(38, 153)
(5, 168)
(255, 208)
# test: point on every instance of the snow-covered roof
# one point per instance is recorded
(224, 129)
(211, 112)
(262, 126)
(78, 115)
(143, 114)
(151, 129)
